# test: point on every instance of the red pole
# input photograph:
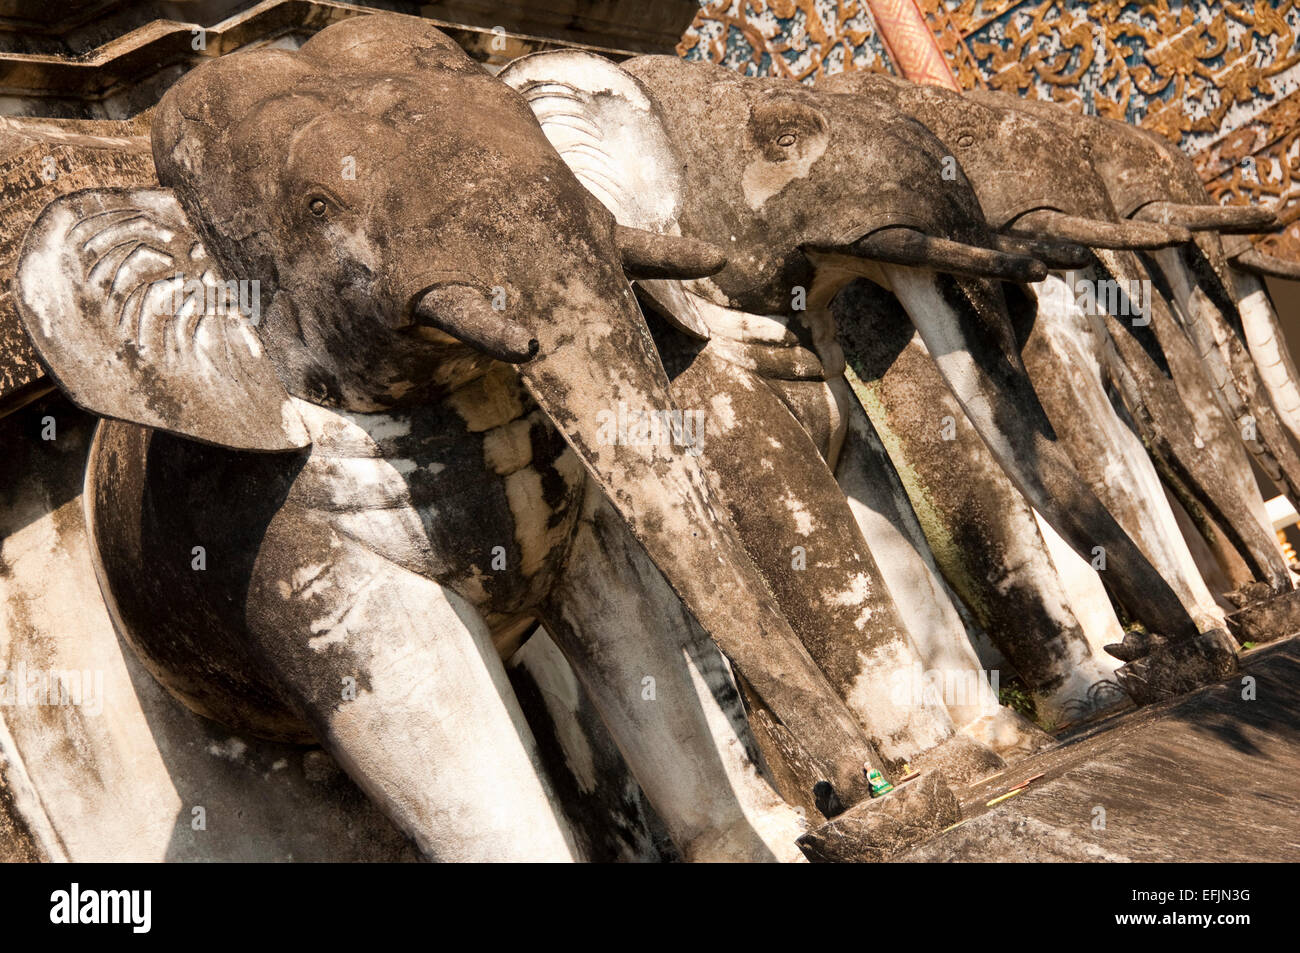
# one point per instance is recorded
(911, 44)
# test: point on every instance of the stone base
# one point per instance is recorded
(1175, 668)
(874, 830)
(1208, 776)
(1267, 620)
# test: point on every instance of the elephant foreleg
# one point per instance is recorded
(400, 681)
(1268, 348)
(664, 692)
(1202, 299)
(958, 320)
(978, 526)
(1063, 355)
(1188, 433)
(795, 523)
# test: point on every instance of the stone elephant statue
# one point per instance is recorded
(803, 151)
(1147, 178)
(1015, 164)
(872, 612)
(332, 525)
(1074, 355)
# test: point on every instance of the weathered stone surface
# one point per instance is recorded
(1174, 667)
(618, 24)
(875, 830)
(1267, 620)
(960, 759)
(982, 530)
(267, 669)
(79, 27)
(611, 816)
(118, 61)
(1206, 777)
(345, 584)
(40, 160)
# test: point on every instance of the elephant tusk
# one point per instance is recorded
(466, 315)
(1262, 264)
(1052, 254)
(649, 255)
(1247, 219)
(900, 245)
(1095, 233)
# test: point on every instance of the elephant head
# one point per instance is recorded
(1056, 195)
(392, 220)
(809, 189)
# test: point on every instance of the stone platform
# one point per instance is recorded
(1211, 776)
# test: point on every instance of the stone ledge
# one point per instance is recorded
(876, 829)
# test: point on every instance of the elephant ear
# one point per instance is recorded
(606, 126)
(112, 287)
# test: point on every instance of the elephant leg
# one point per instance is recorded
(400, 681)
(1202, 299)
(795, 523)
(1063, 355)
(613, 820)
(664, 692)
(1217, 560)
(980, 529)
(928, 608)
(1083, 590)
(1268, 348)
(1194, 444)
(963, 324)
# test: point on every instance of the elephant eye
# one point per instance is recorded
(318, 206)
(785, 139)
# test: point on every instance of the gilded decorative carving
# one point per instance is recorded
(1216, 78)
(1185, 70)
(798, 39)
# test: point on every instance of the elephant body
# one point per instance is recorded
(408, 487)
(367, 545)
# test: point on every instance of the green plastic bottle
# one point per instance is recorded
(879, 786)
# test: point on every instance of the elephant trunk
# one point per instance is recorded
(1258, 263)
(899, 245)
(1096, 233)
(467, 315)
(599, 363)
(1230, 219)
